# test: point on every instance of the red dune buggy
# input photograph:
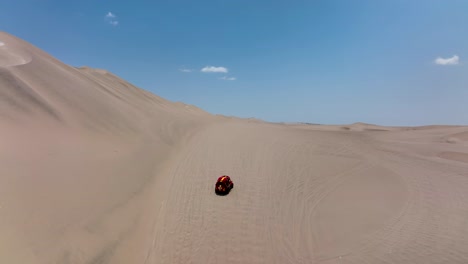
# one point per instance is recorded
(223, 185)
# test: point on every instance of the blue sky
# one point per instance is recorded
(330, 62)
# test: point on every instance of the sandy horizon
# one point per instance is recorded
(96, 170)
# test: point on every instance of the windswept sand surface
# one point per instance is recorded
(95, 170)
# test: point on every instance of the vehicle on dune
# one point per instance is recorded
(223, 185)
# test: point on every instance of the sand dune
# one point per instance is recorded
(11, 55)
(457, 156)
(96, 170)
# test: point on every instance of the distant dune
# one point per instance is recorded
(96, 170)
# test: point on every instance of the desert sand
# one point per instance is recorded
(96, 170)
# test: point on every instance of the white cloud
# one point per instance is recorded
(228, 78)
(2, 44)
(214, 69)
(448, 61)
(111, 18)
(185, 70)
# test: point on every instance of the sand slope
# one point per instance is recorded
(78, 147)
(96, 170)
(313, 196)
